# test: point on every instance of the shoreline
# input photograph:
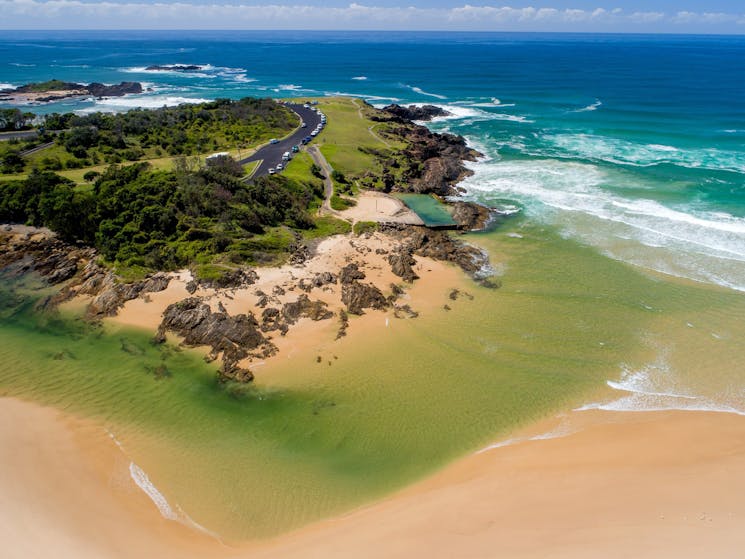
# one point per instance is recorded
(604, 485)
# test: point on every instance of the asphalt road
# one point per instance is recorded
(271, 154)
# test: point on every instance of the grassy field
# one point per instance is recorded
(347, 142)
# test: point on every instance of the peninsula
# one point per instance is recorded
(324, 239)
(55, 90)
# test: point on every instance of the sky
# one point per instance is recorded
(625, 16)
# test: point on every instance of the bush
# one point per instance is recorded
(362, 227)
(340, 204)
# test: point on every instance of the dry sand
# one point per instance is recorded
(381, 208)
(370, 252)
(657, 485)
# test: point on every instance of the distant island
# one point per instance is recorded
(55, 90)
(173, 68)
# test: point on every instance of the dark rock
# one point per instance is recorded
(118, 90)
(414, 112)
(471, 216)
(439, 245)
(358, 296)
(401, 264)
(263, 299)
(404, 311)
(304, 307)
(233, 336)
(173, 68)
(350, 273)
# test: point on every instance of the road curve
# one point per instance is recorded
(271, 154)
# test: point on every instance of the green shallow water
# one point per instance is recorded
(306, 444)
(431, 210)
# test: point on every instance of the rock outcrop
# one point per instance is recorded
(439, 245)
(471, 216)
(401, 264)
(414, 112)
(234, 337)
(173, 68)
(54, 90)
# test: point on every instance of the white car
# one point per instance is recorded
(279, 167)
(314, 133)
(303, 125)
(271, 170)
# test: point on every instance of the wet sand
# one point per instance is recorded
(661, 484)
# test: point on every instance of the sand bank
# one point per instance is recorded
(663, 484)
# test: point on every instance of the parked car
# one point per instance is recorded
(303, 125)
(280, 167)
(286, 155)
(271, 170)
(295, 149)
(274, 141)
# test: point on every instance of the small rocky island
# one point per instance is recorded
(173, 68)
(55, 90)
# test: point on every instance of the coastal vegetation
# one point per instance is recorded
(157, 135)
(162, 220)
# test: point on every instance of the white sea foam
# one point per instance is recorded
(143, 482)
(703, 246)
(562, 430)
(589, 108)
(114, 104)
(420, 91)
(495, 103)
(614, 150)
(655, 387)
(360, 78)
(289, 87)
(7, 86)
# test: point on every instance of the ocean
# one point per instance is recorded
(622, 158)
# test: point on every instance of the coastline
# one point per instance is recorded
(608, 486)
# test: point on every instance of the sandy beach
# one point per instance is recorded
(661, 484)
(281, 284)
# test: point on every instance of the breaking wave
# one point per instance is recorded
(624, 152)
(589, 108)
(702, 246)
(420, 91)
(656, 388)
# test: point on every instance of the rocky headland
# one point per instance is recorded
(246, 314)
(55, 90)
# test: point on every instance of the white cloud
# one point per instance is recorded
(61, 14)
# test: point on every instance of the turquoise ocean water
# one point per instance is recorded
(631, 144)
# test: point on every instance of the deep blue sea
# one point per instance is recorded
(632, 144)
